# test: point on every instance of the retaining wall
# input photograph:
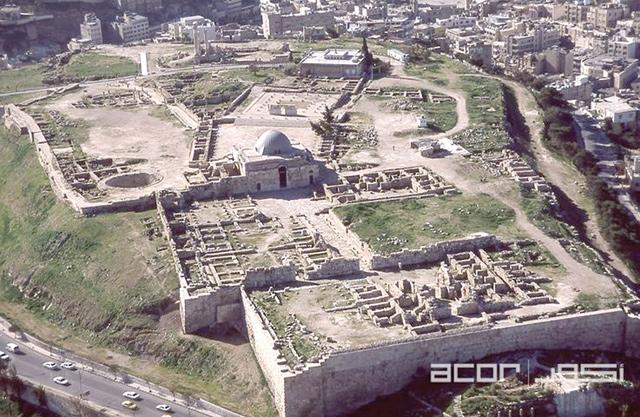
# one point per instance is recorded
(348, 379)
(435, 252)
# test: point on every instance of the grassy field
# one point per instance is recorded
(390, 226)
(485, 105)
(437, 69)
(101, 285)
(93, 66)
(441, 116)
(23, 78)
(84, 66)
(254, 75)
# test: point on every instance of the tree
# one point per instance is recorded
(368, 56)
(333, 34)
(327, 115)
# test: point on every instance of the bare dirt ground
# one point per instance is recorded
(347, 328)
(132, 133)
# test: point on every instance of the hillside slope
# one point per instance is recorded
(105, 286)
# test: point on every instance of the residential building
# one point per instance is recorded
(188, 27)
(533, 40)
(623, 116)
(625, 47)
(632, 173)
(131, 27)
(275, 25)
(91, 29)
(138, 6)
(606, 16)
(610, 71)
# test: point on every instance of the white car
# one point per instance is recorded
(51, 365)
(163, 407)
(132, 395)
(68, 365)
(60, 380)
(13, 348)
(4, 356)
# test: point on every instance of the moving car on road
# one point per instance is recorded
(51, 365)
(130, 405)
(163, 407)
(13, 348)
(4, 356)
(60, 380)
(68, 365)
(132, 395)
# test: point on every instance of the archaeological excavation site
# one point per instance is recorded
(353, 231)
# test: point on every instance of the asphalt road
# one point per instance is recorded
(94, 388)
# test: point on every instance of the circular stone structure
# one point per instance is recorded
(273, 142)
(132, 180)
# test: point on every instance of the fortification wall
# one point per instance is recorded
(219, 306)
(349, 379)
(263, 344)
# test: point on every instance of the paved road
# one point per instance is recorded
(99, 390)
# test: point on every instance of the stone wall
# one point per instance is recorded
(335, 267)
(435, 252)
(348, 379)
(263, 344)
(267, 277)
(210, 308)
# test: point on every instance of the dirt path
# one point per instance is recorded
(559, 173)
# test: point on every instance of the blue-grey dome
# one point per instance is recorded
(273, 142)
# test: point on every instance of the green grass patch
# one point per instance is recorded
(103, 280)
(93, 66)
(540, 214)
(437, 69)
(23, 78)
(390, 226)
(440, 116)
(256, 75)
(485, 105)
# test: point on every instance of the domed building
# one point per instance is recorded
(273, 163)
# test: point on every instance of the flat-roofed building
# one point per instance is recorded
(91, 29)
(275, 25)
(131, 27)
(333, 63)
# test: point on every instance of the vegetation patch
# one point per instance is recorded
(485, 105)
(94, 66)
(390, 226)
(105, 279)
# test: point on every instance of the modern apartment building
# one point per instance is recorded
(91, 29)
(131, 27)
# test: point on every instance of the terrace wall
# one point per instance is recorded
(348, 379)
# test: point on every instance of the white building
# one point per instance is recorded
(398, 55)
(131, 27)
(185, 28)
(333, 63)
(622, 114)
(91, 29)
(457, 22)
(632, 173)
